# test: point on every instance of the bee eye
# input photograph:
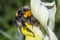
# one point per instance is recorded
(20, 12)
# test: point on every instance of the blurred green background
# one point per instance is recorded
(8, 9)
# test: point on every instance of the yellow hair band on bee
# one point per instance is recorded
(27, 14)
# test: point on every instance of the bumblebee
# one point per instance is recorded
(24, 14)
(25, 22)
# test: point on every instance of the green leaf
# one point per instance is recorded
(6, 35)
